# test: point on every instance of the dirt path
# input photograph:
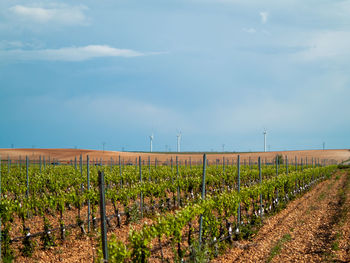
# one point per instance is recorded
(313, 228)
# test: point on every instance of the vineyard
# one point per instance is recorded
(143, 211)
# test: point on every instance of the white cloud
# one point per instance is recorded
(62, 14)
(69, 53)
(264, 16)
(249, 30)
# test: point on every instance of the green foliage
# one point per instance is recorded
(172, 224)
(140, 247)
(6, 250)
(28, 246)
(135, 213)
(343, 166)
(117, 251)
(199, 253)
(58, 188)
(48, 239)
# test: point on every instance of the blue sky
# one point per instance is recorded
(80, 73)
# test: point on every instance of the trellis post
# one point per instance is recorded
(101, 180)
(260, 182)
(141, 195)
(203, 197)
(239, 188)
(88, 188)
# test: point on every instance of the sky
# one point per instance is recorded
(80, 74)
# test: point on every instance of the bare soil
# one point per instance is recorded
(313, 228)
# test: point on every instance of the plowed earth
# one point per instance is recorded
(313, 228)
(68, 155)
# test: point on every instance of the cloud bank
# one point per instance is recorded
(62, 14)
(69, 53)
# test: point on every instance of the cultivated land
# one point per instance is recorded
(313, 228)
(306, 216)
(67, 155)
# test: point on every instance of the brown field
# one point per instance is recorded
(67, 155)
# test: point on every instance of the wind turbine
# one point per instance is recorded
(178, 141)
(265, 132)
(151, 141)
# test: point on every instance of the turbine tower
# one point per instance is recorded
(178, 141)
(265, 132)
(150, 141)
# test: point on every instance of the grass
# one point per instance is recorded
(335, 246)
(321, 196)
(278, 246)
(344, 166)
(335, 243)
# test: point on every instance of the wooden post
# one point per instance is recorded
(203, 197)
(27, 164)
(0, 217)
(88, 188)
(177, 177)
(171, 162)
(301, 163)
(260, 182)
(306, 162)
(81, 172)
(101, 180)
(8, 165)
(223, 164)
(141, 195)
(120, 170)
(239, 188)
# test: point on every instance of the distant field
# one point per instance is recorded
(66, 155)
